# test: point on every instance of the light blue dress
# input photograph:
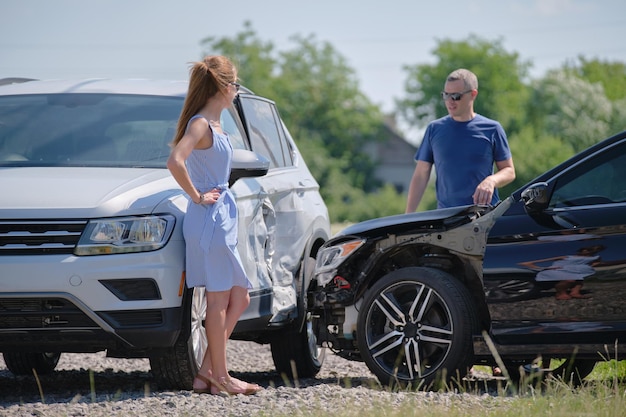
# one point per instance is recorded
(210, 230)
(571, 268)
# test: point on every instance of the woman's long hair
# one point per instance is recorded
(207, 78)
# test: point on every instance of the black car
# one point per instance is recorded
(542, 276)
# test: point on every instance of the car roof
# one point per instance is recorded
(174, 88)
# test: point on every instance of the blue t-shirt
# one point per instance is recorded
(463, 154)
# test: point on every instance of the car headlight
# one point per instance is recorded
(125, 235)
(329, 259)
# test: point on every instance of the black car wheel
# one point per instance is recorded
(295, 352)
(23, 363)
(176, 367)
(573, 371)
(415, 328)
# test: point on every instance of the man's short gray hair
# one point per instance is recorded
(468, 77)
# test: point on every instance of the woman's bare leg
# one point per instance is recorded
(239, 301)
(214, 325)
(223, 312)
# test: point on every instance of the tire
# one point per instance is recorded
(23, 363)
(573, 371)
(422, 312)
(176, 367)
(296, 353)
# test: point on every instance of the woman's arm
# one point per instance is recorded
(197, 130)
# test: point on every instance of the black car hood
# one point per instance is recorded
(426, 221)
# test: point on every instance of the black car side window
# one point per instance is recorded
(265, 129)
(601, 180)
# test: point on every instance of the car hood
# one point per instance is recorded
(80, 192)
(462, 229)
(428, 221)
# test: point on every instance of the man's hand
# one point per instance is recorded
(504, 175)
(484, 191)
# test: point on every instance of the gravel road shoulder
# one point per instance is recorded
(93, 385)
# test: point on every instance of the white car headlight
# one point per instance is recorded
(125, 235)
(329, 259)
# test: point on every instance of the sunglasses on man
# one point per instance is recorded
(454, 96)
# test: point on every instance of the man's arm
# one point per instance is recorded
(419, 181)
(504, 175)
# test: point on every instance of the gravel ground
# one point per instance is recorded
(93, 385)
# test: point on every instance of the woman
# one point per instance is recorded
(200, 162)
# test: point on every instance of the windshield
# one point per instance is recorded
(87, 130)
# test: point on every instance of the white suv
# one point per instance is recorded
(91, 245)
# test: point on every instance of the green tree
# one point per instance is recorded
(325, 102)
(612, 77)
(573, 109)
(320, 101)
(534, 152)
(501, 75)
(618, 118)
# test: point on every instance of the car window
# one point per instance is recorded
(230, 126)
(87, 129)
(602, 180)
(266, 134)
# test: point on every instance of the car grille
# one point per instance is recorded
(45, 237)
(42, 313)
(59, 313)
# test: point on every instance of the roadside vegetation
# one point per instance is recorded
(547, 119)
(602, 394)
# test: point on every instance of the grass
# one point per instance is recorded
(603, 394)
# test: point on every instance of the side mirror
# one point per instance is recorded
(246, 164)
(536, 197)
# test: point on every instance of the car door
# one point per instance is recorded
(275, 238)
(557, 274)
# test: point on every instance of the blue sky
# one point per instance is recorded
(157, 38)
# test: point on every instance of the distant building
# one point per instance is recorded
(394, 158)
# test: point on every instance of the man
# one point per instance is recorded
(463, 146)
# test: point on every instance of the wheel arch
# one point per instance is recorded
(461, 267)
(305, 272)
